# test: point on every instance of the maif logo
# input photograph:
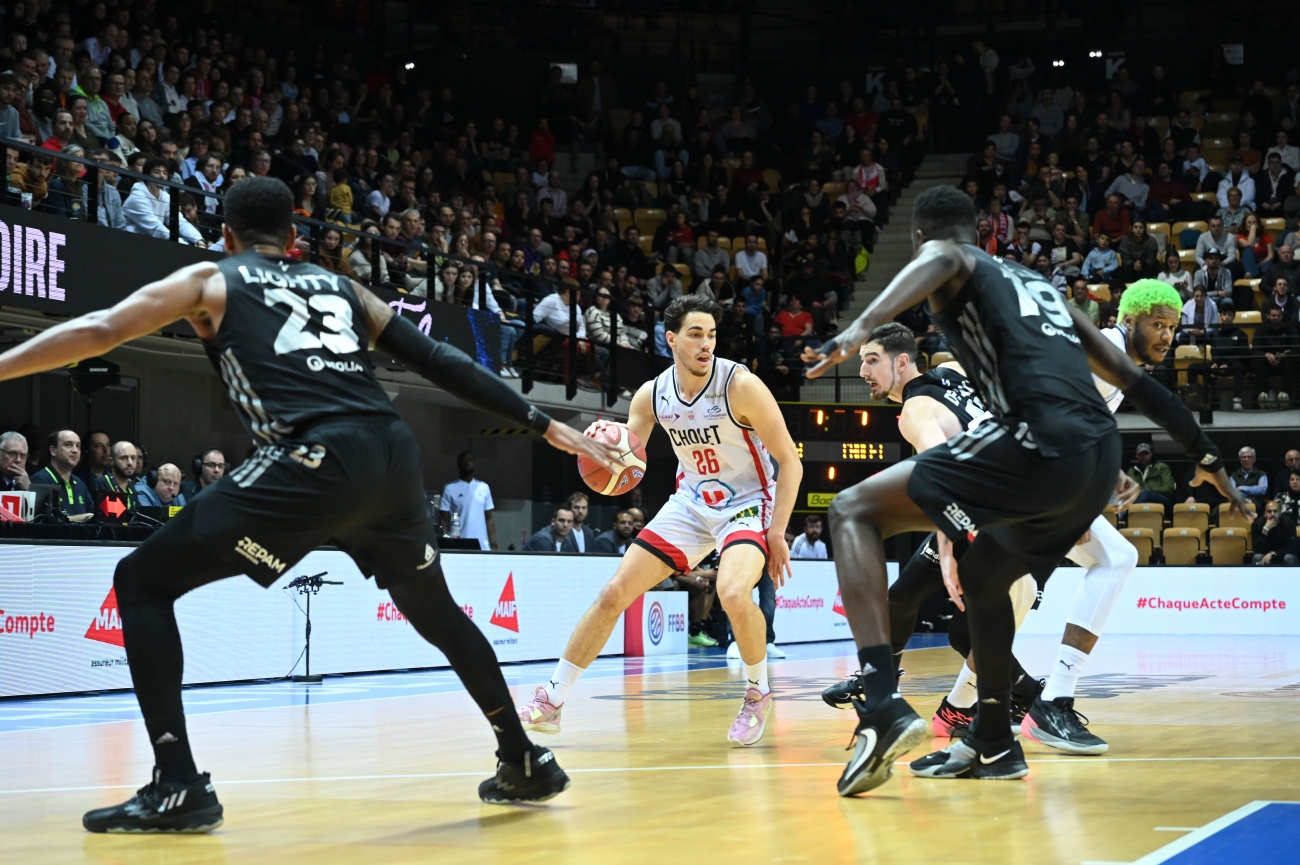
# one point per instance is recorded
(107, 626)
(506, 614)
(654, 622)
(839, 605)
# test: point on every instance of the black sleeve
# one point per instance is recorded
(1160, 405)
(456, 372)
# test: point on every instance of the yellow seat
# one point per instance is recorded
(1274, 223)
(683, 271)
(502, 180)
(1113, 518)
(646, 241)
(1229, 546)
(1192, 515)
(1147, 516)
(648, 219)
(1203, 196)
(833, 190)
(1187, 355)
(1181, 546)
(1228, 519)
(723, 243)
(1188, 258)
(1197, 225)
(772, 178)
(1188, 99)
(940, 357)
(1159, 228)
(624, 217)
(1099, 292)
(731, 163)
(1248, 320)
(1144, 540)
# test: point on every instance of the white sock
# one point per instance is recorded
(964, 693)
(1065, 673)
(566, 675)
(756, 676)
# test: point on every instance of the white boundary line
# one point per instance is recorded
(1195, 836)
(706, 768)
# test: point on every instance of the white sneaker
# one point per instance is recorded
(1236, 404)
(1265, 400)
(1283, 400)
(733, 651)
(774, 652)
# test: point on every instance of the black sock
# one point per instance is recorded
(428, 605)
(1022, 684)
(879, 676)
(994, 713)
(171, 748)
(898, 668)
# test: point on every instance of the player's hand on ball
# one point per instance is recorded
(569, 440)
(778, 557)
(598, 425)
(1126, 492)
(948, 564)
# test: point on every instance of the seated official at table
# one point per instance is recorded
(73, 495)
(166, 492)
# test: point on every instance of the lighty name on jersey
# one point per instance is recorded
(1053, 331)
(313, 281)
(684, 437)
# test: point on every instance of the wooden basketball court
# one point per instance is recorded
(384, 769)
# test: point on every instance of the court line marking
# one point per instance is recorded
(1173, 848)
(1176, 828)
(605, 770)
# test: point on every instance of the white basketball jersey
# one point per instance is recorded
(721, 462)
(1111, 394)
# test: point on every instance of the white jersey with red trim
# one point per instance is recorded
(721, 461)
(1111, 394)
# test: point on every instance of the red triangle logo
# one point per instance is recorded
(506, 614)
(107, 626)
(839, 605)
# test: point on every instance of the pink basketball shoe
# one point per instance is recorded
(748, 727)
(539, 714)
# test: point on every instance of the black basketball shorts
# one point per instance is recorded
(354, 483)
(985, 480)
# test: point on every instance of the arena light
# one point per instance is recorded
(1058, 63)
(1094, 54)
(830, 473)
(410, 66)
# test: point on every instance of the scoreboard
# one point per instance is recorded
(841, 445)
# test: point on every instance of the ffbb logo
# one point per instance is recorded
(506, 613)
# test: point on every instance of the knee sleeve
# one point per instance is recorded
(1110, 560)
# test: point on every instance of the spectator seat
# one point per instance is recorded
(1187, 355)
(1181, 546)
(1189, 98)
(772, 178)
(1204, 196)
(1274, 224)
(624, 217)
(1111, 517)
(1221, 123)
(502, 180)
(1228, 546)
(1188, 258)
(1159, 228)
(723, 243)
(1144, 540)
(648, 219)
(1218, 165)
(1099, 292)
(1248, 320)
(1227, 519)
(683, 271)
(646, 241)
(1193, 515)
(1255, 289)
(1197, 225)
(1160, 124)
(1147, 516)
(941, 357)
(834, 189)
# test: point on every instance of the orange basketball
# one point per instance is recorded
(631, 455)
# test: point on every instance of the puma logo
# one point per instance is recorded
(1063, 664)
(987, 760)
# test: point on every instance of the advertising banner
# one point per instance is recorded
(656, 624)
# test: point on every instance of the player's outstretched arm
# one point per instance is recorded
(938, 263)
(146, 310)
(640, 418)
(756, 407)
(457, 373)
(1161, 406)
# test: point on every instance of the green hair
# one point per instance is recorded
(1146, 294)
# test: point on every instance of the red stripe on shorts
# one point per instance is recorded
(677, 556)
(745, 535)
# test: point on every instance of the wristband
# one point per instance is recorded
(1168, 412)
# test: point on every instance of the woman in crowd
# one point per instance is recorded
(1175, 275)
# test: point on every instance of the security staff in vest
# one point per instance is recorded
(73, 494)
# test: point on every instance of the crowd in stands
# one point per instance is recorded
(769, 211)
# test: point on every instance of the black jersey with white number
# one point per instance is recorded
(1013, 335)
(292, 347)
(953, 390)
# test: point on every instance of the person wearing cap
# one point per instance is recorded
(1237, 177)
(1155, 479)
(1213, 276)
(1219, 238)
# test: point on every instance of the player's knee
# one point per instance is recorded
(733, 593)
(613, 599)
(847, 507)
(1124, 557)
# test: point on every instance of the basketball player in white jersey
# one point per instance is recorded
(729, 437)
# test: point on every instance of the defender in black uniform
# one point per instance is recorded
(1030, 479)
(937, 405)
(336, 464)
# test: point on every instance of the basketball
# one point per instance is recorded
(631, 455)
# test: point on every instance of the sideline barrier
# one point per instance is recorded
(60, 632)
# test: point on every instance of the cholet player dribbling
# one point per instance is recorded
(729, 437)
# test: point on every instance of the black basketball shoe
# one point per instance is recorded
(1024, 693)
(536, 778)
(842, 694)
(950, 722)
(1058, 725)
(882, 736)
(161, 806)
(972, 757)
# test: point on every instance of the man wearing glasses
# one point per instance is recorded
(209, 468)
(13, 463)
